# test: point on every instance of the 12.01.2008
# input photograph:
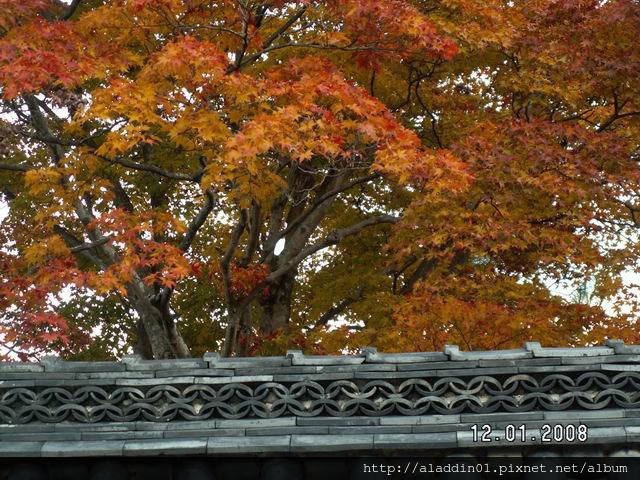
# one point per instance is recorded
(521, 433)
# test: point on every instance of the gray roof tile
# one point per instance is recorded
(20, 449)
(415, 441)
(370, 429)
(215, 361)
(419, 420)
(94, 427)
(172, 446)
(438, 428)
(199, 432)
(298, 358)
(102, 448)
(437, 365)
(47, 382)
(257, 422)
(136, 363)
(338, 421)
(17, 383)
(607, 435)
(13, 367)
(620, 368)
(454, 353)
(373, 356)
(255, 444)
(375, 367)
(38, 375)
(314, 377)
(477, 372)
(235, 379)
(621, 349)
(128, 435)
(19, 436)
(197, 372)
(565, 368)
(136, 382)
(316, 430)
(539, 351)
(305, 369)
(56, 364)
(330, 443)
(120, 374)
(25, 428)
(633, 433)
(504, 417)
(582, 414)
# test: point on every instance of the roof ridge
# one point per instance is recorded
(366, 356)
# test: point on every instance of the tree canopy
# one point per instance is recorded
(247, 176)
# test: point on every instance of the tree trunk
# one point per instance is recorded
(158, 336)
(245, 334)
(231, 334)
(142, 346)
(276, 312)
(276, 308)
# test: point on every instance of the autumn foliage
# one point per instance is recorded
(182, 176)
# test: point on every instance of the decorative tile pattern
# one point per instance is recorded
(340, 398)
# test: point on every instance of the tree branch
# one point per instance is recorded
(71, 10)
(89, 246)
(339, 308)
(323, 198)
(422, 270)
(426, 266)
(333, 238)
(198, 221)
(225, 261)
(254, 234)
(14, 168)
(151, 169)
(121, 199)
(269, 41)
(78, 247)
(274, 225)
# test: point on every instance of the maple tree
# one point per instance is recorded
(188, 175)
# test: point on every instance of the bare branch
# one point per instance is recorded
(71, 9)
(225, 261)
(617, 114)
(198, 221)
(274, 225)
(293, 19)
(333, 238)
(339, 308)
(269, 41)
(14, 168)
(151, 169)
(434, 129)
(121, 198)
(254, 234)
(212, 28)
(323, 198)
(77, 246)
(425, 267)
(165, 293)
(395, 273)
(89, 246)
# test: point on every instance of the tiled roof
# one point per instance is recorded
(312, 404)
